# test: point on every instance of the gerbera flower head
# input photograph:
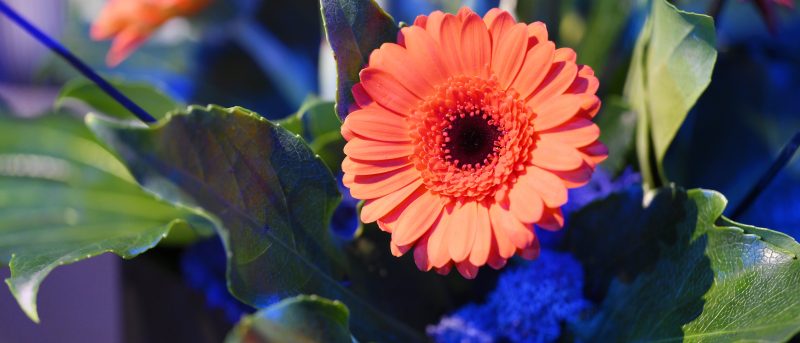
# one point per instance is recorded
(131, 22)
(468, 132)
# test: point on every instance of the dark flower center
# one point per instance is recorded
(471, 140)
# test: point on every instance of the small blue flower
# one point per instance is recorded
(529, 304)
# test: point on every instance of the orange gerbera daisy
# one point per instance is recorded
(467, 133)
(131, 22)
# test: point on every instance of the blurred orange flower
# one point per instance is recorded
(468, 132)
(131, 22)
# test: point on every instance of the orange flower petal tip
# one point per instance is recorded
(129, 23)
(467, 134)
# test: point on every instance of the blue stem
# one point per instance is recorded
(77, 63)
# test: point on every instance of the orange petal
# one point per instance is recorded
(467, 269)
(553, 219)
(497, 19)
(375, 209)
(483, 238)
(461, 231)
(369, 150)
(517, 232)
(555, 156)
(476, 46)
(558, 110)
(509, 54)
(434, 25)
(424, 53)
(534, 69)
(421, 20)
(124, 44)
(594, 154)
(397, 250)
(378, 125)
(437, 246)
(574, 178)
(585, 83)
(360, 95)
(449, 40)
(558, 79)
(537, 33)
(375, 186)
(445, 269)
(397, 61)
(421, 253)
(547, 185)
(386, 90)
(505, 248)
(578, 132)
(417, 218)
(363, 167)
(525, 203)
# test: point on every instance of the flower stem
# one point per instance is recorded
(787, 152)
(73, 60)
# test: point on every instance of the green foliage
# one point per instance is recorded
(308, 319)
(605, 24)
(145, 95)
(64, 198)
(354, 28)
(617, 124)
(316, 121)
(672, 64)
(676, 270)
(272, 196)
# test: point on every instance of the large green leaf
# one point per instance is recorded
(671, 67)
(64, 198)
(316, 121)
(305, 318)
(354, 28)
(273, 197)
(151, 99)
(682, 272)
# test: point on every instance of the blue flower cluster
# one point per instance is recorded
(203, 266)
(529, 304)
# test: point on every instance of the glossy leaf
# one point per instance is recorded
(273, 197)
(64, 198)
(671, 67)
(151, 99)
(680, 271)
(354, 28)
(303, 318)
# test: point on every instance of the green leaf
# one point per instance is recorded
(354, 28)
(671, 67)
(303, 318)
(682, 272)
(273, 197)
(316, 121)
(602, 34)
(64, 198)
(152, 100)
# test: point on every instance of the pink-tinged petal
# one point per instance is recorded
(476, 46)
(537, 33)
(497, 20)
(585, 83)
(483, 238)
(438, 252)
(547, 185)
(578, 132)
(369, 150)
(421, 253)
(509, 54)
(594, 154)
(575, 178)
(397, 61)
(531, 252)
(378, 125)
(347, 134)
(497, 262)
(461, 231)
(360, 95)
(124, 44)
(364, 167)
(464, 12)
(375, 186)
(525, 203)
(445, 269)
(386, 90)
(505, 247)
(467, 270)
(518, 233)
(375, 209)
(555, 156)
(421, 21)
(560, 109)
(417, 218)
(398, 251)
(534, 69)
(553, 219)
